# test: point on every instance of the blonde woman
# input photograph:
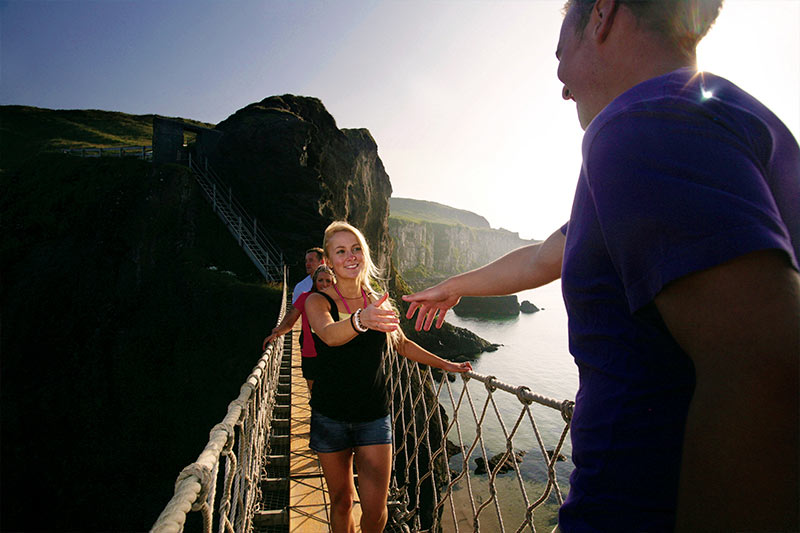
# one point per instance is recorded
(350, 407)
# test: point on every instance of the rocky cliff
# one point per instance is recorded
(296, 171)
(130, 320)
(291, 167)
(130, 315)
(428, 246)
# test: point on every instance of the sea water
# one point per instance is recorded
(534, 352)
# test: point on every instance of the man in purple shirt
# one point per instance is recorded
(679, 269)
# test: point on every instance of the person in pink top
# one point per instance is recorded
(322, 278)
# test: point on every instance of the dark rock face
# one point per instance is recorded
(295, 171)
(121, 348)
(493, 306)
(527, 307)
(452, 448)
(116, 280)
(559, 458)
(506, 466)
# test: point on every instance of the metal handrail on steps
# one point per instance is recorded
(264, 254)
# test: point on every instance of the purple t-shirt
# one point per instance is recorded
(680, 173)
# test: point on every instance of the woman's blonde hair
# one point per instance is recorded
(370, 275)
(320, 269)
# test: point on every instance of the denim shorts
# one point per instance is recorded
(329, 435)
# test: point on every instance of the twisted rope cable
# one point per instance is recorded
(194, 484)
(408, 414)
(412, 414)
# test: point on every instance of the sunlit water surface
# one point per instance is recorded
(534, 353)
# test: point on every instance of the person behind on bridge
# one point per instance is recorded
(314, 258)
(350, 411)
(322, 278)
(679, 270)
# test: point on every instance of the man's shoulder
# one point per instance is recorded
(302, 298)
(305, 282)
(300, 288)
(641, 101)
(684, 95)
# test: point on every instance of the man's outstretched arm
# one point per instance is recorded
(740, 324)
(524, 268)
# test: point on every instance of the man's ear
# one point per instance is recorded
(602, 18)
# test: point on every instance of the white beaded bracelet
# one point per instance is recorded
(357, 322)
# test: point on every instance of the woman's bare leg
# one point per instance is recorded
(374, 464)
(337, 467)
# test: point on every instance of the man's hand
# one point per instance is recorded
(432, 302)
(527, 267)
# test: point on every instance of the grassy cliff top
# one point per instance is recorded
(424, 211)
(27, 131)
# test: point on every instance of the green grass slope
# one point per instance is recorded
(27, 131)
(424, 211)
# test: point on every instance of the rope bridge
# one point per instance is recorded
(241, 438)
(439, 427)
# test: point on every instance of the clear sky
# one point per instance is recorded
(461, 95)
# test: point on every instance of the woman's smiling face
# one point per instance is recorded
(346, 255)
(324, 280)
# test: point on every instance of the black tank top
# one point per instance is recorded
(350, 385)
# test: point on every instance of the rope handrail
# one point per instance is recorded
(432, 489)
(439, 493)
(525, 395)
(251, 413)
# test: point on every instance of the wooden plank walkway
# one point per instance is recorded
(308, 494)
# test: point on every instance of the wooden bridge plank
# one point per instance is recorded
(308, 493)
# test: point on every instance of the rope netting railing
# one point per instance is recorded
(443, 427)
(241, 440)
(470, 454)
